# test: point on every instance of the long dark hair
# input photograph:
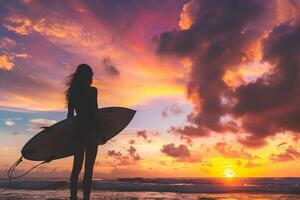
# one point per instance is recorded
(78, 81)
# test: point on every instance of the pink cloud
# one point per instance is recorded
(291, 153)
(144, 135)
(174, 109)
(266, 106)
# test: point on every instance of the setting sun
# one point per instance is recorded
(229, 173)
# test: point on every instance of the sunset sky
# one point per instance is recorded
(216, 84)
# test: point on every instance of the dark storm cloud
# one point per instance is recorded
(216, 41)
(272, 103)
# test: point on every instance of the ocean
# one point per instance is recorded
(160, 188)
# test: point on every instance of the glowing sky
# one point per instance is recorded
(215, 83)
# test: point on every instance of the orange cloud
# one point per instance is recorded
(6, 63)
(22, 26)
(247, 72)
(227, 151)
(187, 15)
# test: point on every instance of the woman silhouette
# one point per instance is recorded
(82, 98)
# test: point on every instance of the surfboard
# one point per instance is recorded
(57, 141)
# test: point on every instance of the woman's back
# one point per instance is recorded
(84, 102)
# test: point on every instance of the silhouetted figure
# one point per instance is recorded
(82, 98)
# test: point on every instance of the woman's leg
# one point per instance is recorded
(77, 165)
(91, 148)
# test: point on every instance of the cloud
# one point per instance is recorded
(144, 135)
(6, 63)
(109, 68)
(173, 109)
(177, 152)
(180, 152)
(226, 150)
(271, 104)
(224, 36)
(27, 90)
(60, 36)
(213, 42)
(9, 122)
(188, 15)
(63, 31)
(131, 142)
(10, 54)
(282, 144)
(113, 153)
(133, 153)
(36, 124)
(22, 26)
(130, 159)
(164, 113)
(6, 42)
(291, 153)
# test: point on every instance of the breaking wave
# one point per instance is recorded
(201, 185)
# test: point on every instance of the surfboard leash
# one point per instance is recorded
(13, 167)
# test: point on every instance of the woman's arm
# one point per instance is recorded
(95, 106)
(95, 99)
